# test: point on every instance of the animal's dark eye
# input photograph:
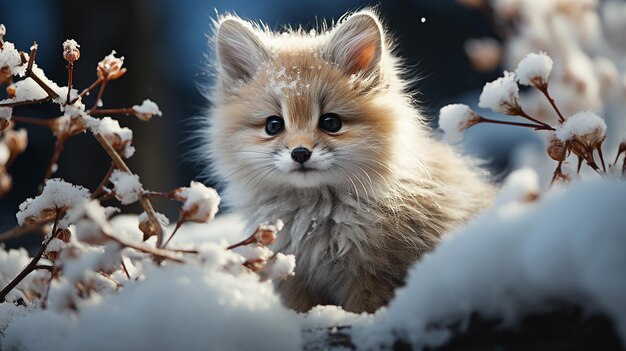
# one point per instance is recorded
(274, 125)
(330, 122)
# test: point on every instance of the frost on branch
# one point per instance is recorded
(200, 202)
(146, 110)
(534, 69)
(585, 125)
(70, 50)
(126, 186)
(119, 137)
(581, 134)
(501, 95)
(56, 195)
(455, 118)
(110, 67)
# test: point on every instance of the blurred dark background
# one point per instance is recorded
(165, 45)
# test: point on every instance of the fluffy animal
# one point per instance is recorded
(317, 129)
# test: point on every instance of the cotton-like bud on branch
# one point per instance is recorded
(455, 118)
(64, 235)
(501, 95)
(265, 233)
(146, 110)
(534, 70)
(280, 267)
(3, 31)
(485, 54)
(91, 220)
(586, 125)
(119, 137)
(5, 117)
(556, 148)
(126, 186)
(256, 256)
(70, 50)
(200, 203)
(10, 91)
(65, 126)
(16, 141)
(111, 67)
(57, 194)
(54, 247)
(146, 226)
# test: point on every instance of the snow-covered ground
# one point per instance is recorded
(567, 245)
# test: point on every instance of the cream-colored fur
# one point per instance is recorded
(379, 193)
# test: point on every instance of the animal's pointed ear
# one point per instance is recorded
(356, 44)
(240, 51)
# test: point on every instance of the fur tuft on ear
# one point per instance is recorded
(356, 44)
(240, 51)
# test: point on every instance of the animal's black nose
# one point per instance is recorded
(300, 154)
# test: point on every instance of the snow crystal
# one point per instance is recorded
(501, 95)
(280, 82)
(569, 245)
(453, 119)
(585, 124)
(126, 186)
(200, 202)
(116, 135)
(534, 68)
(148, 107)
(56, 193)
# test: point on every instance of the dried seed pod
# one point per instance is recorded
(10, 91)
(64, 235)
(556, 148)
(111, 67)
(5, 75)
(70, 50)
(256, 264)
(16, 141)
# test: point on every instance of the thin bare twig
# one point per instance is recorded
(113, 111)
(70, 77)
(87, 90)
(179, 223)
(104, 182)
(25, 102)
(145, 202)
(31, 120)
(58, 148)
(99, 97)
(21, 230)
(33, 263)
(544, 91)
(154, 251)
(519, 124)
